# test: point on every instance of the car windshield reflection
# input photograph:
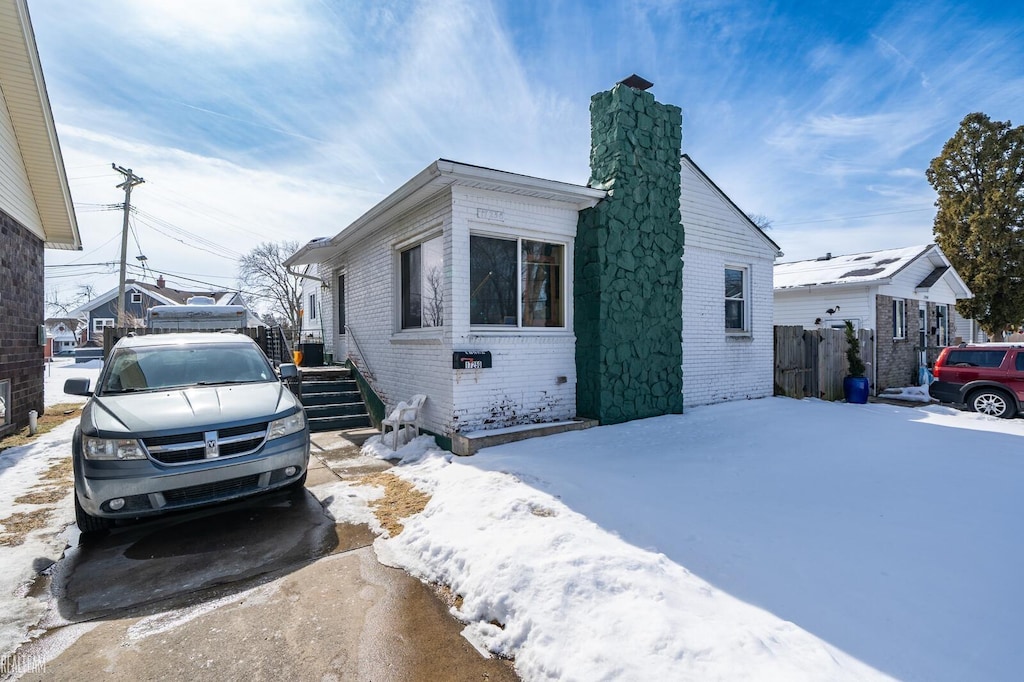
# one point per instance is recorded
(161, 367)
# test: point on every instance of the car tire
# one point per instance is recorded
(992, 402)
(88, 523)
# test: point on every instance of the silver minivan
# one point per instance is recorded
(183, 420)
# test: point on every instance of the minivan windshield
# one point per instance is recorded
(150, 368)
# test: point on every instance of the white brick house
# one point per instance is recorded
(532, 378)
(512, 300)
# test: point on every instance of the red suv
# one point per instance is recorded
(987, 378)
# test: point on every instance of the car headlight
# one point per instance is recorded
(112, 448)
(286, 425)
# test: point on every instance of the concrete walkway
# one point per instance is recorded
(266, 590)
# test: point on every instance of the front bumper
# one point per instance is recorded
(151, 488)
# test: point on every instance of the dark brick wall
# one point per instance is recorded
(21, 313)
(898, 359)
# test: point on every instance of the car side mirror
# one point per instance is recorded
(288, 371)
(77, 387)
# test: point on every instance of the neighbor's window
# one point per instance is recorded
(136, 297)
(899, 318)
(942, 325)
(99, 323)
(736, 300)
(516, 282)
(422, 286)
(312, 306)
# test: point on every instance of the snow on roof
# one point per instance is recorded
(851, 269)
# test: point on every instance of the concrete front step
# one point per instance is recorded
(337, 423)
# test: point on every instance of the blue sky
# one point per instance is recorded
(257, 120)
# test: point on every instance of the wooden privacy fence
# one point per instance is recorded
(812, 362)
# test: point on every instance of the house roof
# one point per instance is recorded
(435, 178)
(711, 183)
(869, 268)
(24, 91)
(164, 295)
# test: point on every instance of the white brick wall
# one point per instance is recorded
(534, 372)
(719, 367)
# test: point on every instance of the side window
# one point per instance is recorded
(736, 313)
(977, 358)
(422, 285)
(1020, 361)
(312, 306)
(98, 323)
(899, 318)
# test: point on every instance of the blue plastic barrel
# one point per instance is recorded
(856, 389)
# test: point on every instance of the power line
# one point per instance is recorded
(852, 217)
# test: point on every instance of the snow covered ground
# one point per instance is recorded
(769, 539)
(772, 539)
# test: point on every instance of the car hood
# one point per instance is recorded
(195, 408)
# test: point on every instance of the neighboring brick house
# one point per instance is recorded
(509, 299)
(35, 214)
(139, 297)
(906, 295)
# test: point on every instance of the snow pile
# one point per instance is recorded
(20, 471)
(570, 601)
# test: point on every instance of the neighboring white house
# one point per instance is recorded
(720, 238)
(463, 285)
(906, 296)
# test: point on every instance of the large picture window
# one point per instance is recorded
(516, 282)
(422, 286)
(736, 300)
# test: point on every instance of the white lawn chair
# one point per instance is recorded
(404, 414)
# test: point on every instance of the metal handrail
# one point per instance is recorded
(362, 356)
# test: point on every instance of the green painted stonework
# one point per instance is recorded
(628, 263)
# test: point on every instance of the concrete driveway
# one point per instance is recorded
(267, 589)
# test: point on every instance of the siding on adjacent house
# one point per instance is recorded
(15, 191)
(803, 306)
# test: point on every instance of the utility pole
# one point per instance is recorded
(130, 180)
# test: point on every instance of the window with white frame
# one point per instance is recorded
(312, 307)
(136, 297)
(422, 285)
(98, 323)
(516, 282)
(899, 318)
(737, 283)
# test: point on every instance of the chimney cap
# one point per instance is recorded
(636, 82)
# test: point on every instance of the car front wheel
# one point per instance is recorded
(992, 402)
(88, 523)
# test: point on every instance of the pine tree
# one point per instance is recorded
(979, 225)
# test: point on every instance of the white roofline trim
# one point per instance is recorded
(425, 184)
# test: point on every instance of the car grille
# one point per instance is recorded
(212, 491)
(191, 447)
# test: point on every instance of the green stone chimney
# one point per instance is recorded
(628, 261)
